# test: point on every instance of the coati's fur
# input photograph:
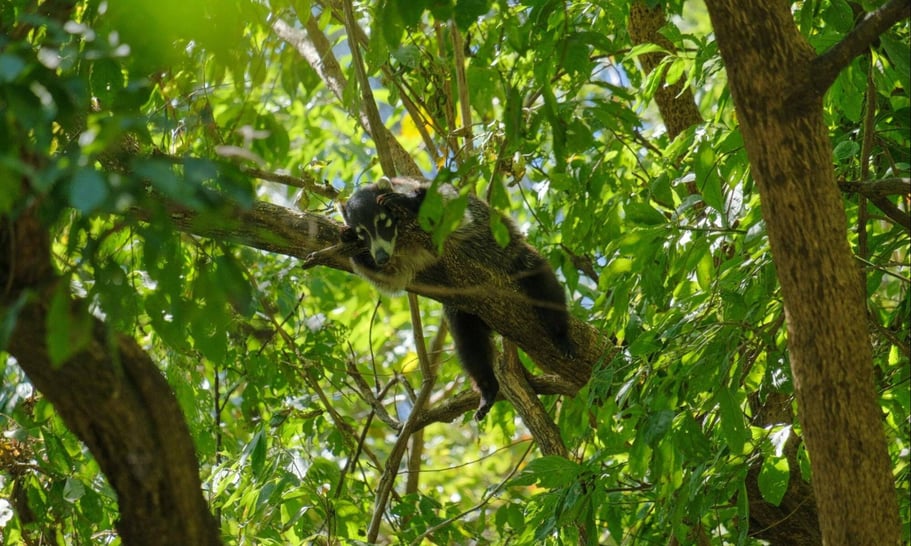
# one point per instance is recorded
(383, 218)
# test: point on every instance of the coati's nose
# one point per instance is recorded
(381, 257)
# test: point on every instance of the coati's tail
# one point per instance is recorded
(475, 349)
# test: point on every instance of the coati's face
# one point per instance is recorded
(374, 224)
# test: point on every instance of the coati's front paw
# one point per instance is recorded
(348, 235)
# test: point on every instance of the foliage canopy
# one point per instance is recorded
(119, 119)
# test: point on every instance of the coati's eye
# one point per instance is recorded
(385, 220)
(361, 233)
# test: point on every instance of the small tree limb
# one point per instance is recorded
(826, 67)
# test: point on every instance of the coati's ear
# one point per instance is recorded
(384, 184)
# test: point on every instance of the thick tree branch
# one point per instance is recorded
(827, 66)
(770, 69)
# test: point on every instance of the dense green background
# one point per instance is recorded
(177, 96)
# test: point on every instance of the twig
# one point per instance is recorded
(866, 150)
(306, 182)
(375, 401)
(416, 456)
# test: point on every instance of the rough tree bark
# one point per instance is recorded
(774, 79)
(794, 520)
(112, 396)
(676, 103)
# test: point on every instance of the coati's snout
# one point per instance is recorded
(380, 256)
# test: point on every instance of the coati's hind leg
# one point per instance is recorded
(475, 349)
(540, 285)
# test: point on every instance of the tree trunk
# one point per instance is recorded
(770, 69)
(111, 395)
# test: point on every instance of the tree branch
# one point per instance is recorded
(458, 280)
(878, 188)
(826, 67)
(520, 393)
(374, 122)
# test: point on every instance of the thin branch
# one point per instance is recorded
(374, 122)
(315, 48)
(447, 100)
(458, 56)
(827, 66)
(416, 457)
(892, 212)
(456, 406)
(387, 480)
(405, 93)
(865, 153)
(375, 402)
(307, 182)
(483, 502)
(878, 188)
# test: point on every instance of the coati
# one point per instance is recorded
(382, 217)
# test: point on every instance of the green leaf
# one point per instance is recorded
(643, 213)
(550, 471)
(656, 426)
(91, 506)
(467, 12)
(898, 55)
(8, 316)
(839, 16)
(773, 479)
(257, 451)
(707, 180)
(56, 454)
(733, 428)
(674, 71)
(106, 80)
(88, 190)
(846, 149)
(73, 490)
